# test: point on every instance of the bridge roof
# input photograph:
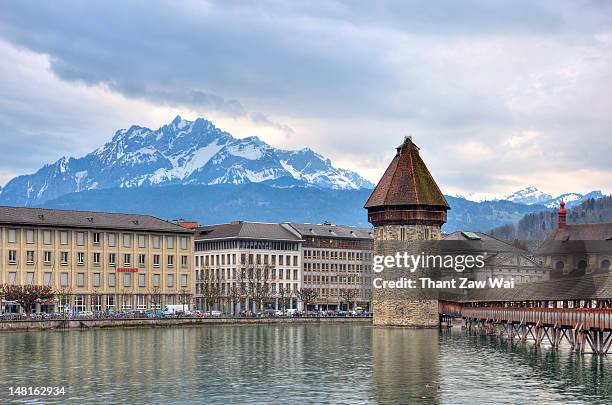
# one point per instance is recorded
(589, 287)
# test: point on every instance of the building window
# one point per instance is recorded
(64, 279)
(170, 260)
(30, 278)
(96, 238)
(142, 259)
(48, 278)
(170, 280)
(142, 241)
(605, 264)
(30, 257)
(12, 277)
(47, 255)
(156, 241)
(184, 280)
(80, 279)
(184, 242)
(184, 261)
(63, 237)
(559, 265)
(170, 242)
(112, 239)
(80, 238)
(30, 236)
(112, 259)
(96, 258)
(110, 301)
(156, 280)
(95, 279)
(155, 260)
(127, 279)
(140, 302)
(295, 274)
(12, 235)
(64, 258)
(127, 240)
(12, 256)
(142, 280)
(80, 257)
(111, 279)
(127, 259)
(47, 237)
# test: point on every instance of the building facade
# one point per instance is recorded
(97, 261)
(575, 250)
(337, 262)
(502, 260)
(247, 266)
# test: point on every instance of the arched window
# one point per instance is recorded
(605, 264)
(582, 264)
(559, 265)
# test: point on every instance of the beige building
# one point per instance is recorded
(336, 260)
(97, 261)
(226, 254)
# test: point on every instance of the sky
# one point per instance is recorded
(498, 95)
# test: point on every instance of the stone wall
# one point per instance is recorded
(410, 232)
(408, 308)
(165, 322)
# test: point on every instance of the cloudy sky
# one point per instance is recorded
(498, 95)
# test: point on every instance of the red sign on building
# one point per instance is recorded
(127, 270)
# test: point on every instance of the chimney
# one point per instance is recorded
(188, 224)
(562, 215)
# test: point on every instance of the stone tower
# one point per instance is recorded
(405, 208)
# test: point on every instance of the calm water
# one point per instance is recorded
(294, 364)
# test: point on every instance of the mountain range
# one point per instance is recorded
(181, 152)
(193, 170)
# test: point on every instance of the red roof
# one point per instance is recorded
(407, 181)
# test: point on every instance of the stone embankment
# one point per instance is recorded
(167, 322)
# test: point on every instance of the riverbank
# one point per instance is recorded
(33, 325)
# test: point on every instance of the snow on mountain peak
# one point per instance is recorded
(529, 195)
(181, 152)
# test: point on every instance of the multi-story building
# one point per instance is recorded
(247, 266)
(501, 259)
(337, 262)
(97, 261)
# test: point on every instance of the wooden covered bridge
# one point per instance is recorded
(577, 310)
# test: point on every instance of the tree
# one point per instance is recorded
(155, 297)
(347, 294)
(26, 295)
(236, 294)
(307, 296)
(184, 298)
(283, 295)
(257, 283)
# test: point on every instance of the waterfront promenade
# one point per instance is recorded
(78, 324)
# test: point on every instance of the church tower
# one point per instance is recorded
(406, 206)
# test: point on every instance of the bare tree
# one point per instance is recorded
(307, 296)
(348, 294)
(258, 284)
(236, 294)
(26, 295)
(155, 296)
(184, 298)
(283, 295)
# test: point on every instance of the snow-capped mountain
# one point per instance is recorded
(181, 152)
(572, 199)
(529, 195)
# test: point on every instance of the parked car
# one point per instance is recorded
(176, 310)
(85, 313)
(215, 313)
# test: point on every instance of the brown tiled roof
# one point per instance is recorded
(597, 231)
(247, 230)
(85, 219)
(578, 238)
(571, 288)
(406, 181)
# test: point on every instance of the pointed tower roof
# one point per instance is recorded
(407, 182)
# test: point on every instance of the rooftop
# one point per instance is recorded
(247, 230)
(407, 181)
(332, 231)
(86, 219)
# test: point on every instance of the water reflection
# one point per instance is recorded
(295, 364)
